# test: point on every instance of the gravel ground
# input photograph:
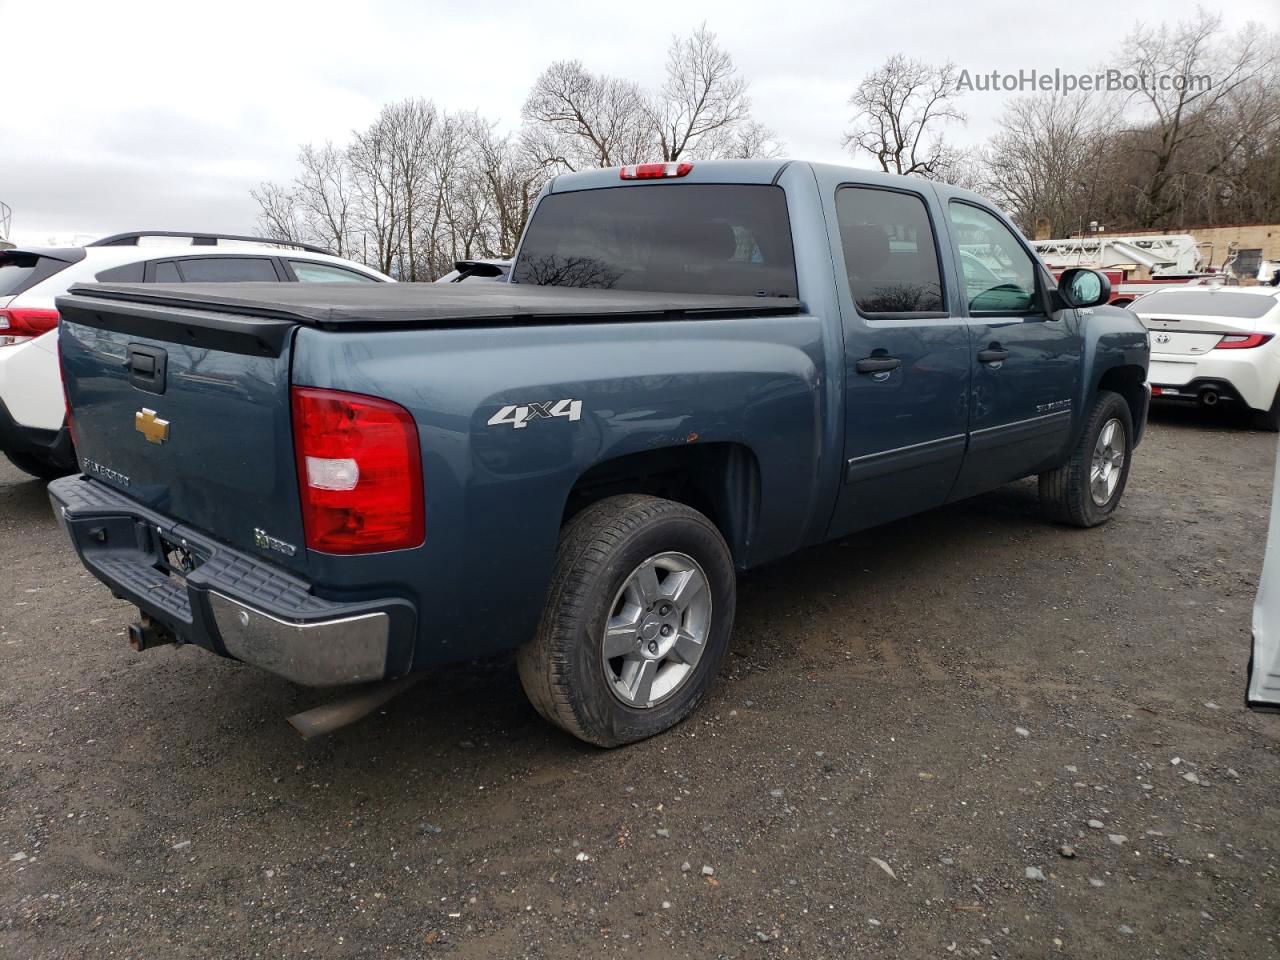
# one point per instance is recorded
(911, 725)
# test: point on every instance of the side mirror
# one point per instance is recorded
(1082, 287)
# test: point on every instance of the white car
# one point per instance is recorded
(1211, 344)
(33, 432)
(469, 270)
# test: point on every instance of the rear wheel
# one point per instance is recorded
(38, 467)
(637, 620)
(1268, 420)
(1086, 490)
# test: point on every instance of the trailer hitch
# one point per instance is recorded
(147, 633)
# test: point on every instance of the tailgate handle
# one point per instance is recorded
(146, 366)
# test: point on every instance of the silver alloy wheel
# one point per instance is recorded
(657, 629)
(1108, 462)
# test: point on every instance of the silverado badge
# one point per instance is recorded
(150, 426)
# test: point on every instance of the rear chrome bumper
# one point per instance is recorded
(318, 653)
(229, 602)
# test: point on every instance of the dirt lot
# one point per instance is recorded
(911, 720)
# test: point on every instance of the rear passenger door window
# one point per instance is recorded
(166, 272)
(999, 274)
(890, 253)
(227, 269)
(308, 271)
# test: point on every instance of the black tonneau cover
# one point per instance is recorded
(255, 317)
(349, 304)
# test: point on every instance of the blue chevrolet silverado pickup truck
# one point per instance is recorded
(692, 370)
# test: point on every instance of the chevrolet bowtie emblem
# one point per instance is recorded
(150, 426)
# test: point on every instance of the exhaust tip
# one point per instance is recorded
(1209, 398)
(332, 716)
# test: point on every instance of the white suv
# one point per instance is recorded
(1211, 344)
(33, 432)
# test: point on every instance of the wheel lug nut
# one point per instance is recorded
(666, 631)
(666, 608)
(653, 646)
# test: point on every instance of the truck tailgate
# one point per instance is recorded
(188, 416)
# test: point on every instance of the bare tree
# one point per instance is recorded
(752, 140)
(704, 101)
(317, 206)
(279, 213)
(589, 120)
(900, 109)
(1187, 74)
(577, 119)
(382, 219)
(1048, 160)
(512, 177)
(410, 129)
(1239, 176)
(325, 195)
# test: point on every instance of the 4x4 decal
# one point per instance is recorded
(519, 415)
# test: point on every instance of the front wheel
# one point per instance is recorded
(637, 621)
(1086, 490)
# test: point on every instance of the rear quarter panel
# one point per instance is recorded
(495, 495)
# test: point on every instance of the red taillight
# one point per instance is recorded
(26, 323)
(1156, 391)
(1242, 341)
(359, 472)
(66, 397)
(654, 171)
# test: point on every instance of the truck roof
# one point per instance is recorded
(704, 171)
(751, 172)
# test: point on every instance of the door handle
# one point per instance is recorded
(992, 355)
(877, 364)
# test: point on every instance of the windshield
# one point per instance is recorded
(675, 238)
(1205, 303)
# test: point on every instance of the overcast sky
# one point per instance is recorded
(124, 116)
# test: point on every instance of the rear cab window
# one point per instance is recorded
(728, 239)
(890, 253)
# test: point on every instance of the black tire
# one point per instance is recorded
(1267, 420)
(563, 670)
(1065, 493)
(37, 467)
